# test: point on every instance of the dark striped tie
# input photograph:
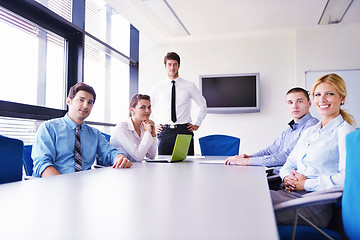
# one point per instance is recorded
(78, 166)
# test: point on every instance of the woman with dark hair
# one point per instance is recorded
(136, 137)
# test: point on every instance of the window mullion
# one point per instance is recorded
(41, 83)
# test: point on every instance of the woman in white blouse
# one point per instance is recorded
(136, 137)
(318, 160)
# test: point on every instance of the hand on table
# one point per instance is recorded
(120, 161)
(241, 160)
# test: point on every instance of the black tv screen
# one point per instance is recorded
(231, 93)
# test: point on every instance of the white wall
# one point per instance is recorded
(333, 47)
(281, 58)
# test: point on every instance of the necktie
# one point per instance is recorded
(78, 166)
(173, 105)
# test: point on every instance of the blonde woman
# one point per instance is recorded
(318, 160)
(136, 137)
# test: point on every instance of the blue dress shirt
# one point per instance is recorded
(277, 153)
(320, 155)
(54, 145)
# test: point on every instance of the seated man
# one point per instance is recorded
(67, 144)
(275, 155)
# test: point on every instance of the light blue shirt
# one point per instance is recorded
(54, 145)
(320, 155)
(277, 153)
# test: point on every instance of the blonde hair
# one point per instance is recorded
(340, 87)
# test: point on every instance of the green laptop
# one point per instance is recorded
(179, 153)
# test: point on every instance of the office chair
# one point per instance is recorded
(219, 145)
(96, 164)
(107, 136)
(340, 227)
(351, 195)
(28, 161)
(310, 232)
(11, 151)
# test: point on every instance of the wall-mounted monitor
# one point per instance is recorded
(231, 93)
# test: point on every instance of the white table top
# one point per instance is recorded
(184, 200)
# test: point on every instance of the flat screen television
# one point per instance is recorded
(232, 93)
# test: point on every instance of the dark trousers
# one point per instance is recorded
(167, 137)
(319, 215)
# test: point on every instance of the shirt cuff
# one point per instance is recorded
(148, 139)
(256, 161)
(42, 169)
(310, 184)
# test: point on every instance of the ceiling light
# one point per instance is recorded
(334, 11)
(162, 10)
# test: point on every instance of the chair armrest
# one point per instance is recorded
(273, 177)
(269, 170)
(307, 201)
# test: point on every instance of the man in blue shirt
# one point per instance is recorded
(298, 104)
(54, 146)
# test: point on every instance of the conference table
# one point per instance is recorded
(192, 199)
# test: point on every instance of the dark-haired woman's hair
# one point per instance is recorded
(135, 99)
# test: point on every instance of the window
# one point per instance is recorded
(104, 23)
(24, 129)
(32, 63)
(110, 78)
(60, 7)
(43, 55)
(106, 67)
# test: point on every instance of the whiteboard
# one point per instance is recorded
(352, 80)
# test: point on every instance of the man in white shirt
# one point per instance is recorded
(171, 101)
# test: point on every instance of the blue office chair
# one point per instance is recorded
(97, 164)
(219, 145)
(107, 136)
(11, 151)
(312, 232)
(351, 195)
(340, 227)
(28, 161)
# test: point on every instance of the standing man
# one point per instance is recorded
(171, 100)
(67, 144)
(298, 104)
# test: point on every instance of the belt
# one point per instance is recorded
(173, 125)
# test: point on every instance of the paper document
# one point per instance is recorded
(195, 157)
(212, 162)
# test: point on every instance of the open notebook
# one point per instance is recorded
(180, 150)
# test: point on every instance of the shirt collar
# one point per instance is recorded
(130, 125)
(291, 124)
(71, 123)
(332, 124)
(176, 79)
(301, 121)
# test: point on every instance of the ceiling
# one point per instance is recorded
(219, 18)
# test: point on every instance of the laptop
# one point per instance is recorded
(180, 150)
